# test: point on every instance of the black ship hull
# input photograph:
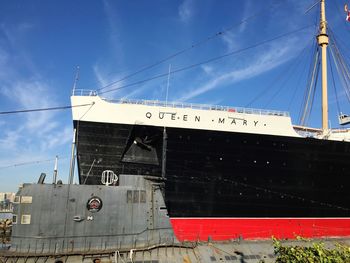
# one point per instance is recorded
(231, 176)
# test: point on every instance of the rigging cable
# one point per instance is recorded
(196, 44)
(32, 162)
(313, 93)
(343, 78)
(334, 86)
(310, 91)
(275, 81)
(341, 67)
(298, 84)
(300, 76)
(207, 61)
(290, 69)
(45, 109)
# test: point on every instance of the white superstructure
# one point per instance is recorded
(178, 115)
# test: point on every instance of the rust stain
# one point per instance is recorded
(186, 259)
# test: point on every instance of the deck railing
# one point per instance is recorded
(184, 105)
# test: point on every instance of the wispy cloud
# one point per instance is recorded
(25, 137)
(10, 138)
(104, 79)
(268, 60)
(185, 10)
(247, 11)
(29, 94)
(231, 40)
(101, 77)
(209, 70)
(114, 26)
(58, 137)
(14, 35)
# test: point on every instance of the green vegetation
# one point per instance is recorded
(311, 252)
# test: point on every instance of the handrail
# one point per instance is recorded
(184, 105)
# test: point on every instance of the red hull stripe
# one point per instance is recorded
(192, 229)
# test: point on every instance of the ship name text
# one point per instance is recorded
(173, 116)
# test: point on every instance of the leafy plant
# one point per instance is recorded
(312, 252)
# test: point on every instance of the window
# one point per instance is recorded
(136, 196)
(17, 199)
(14, 219)
(26, 199)
(129, 196)
(143, 196)
(25, 220)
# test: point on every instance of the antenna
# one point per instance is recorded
(76, 79)
(55, 171)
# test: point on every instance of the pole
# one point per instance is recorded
(55, 171)
(322, 39)
(72, 159)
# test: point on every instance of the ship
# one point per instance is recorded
(186, 183)
(229, 172)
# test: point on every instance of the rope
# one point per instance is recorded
(44, 109)
(29, 163)
(194, 45)
(207, 61)
(334, 86)
(311, 87)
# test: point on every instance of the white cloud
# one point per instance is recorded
(231, 40)
(105, 79)
(275, 56)
(10, 139)
(185, 10)
(208, 69)
(134, 92)
(101, 78)
(247, 12)
(61, 137)
(114, 25)
(29, 95)
(26, 136)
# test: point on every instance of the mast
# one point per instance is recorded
(322, 39)
(72, 160)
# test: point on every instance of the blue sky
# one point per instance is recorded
(42, 43)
